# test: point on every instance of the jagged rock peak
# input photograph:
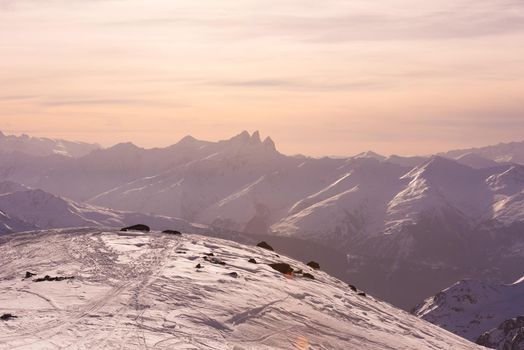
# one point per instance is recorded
(269, 144)
(255, 138)
(243, 137)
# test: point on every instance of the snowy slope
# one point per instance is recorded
(39, 209)
(471, 307)
(440, 184)
(13, 224)
(39, 146)
(352, 205)
(141, 291)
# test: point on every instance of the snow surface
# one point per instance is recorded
(142, 291)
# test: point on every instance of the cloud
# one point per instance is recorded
(85, 102)
(14, 98)
(463, 20)
(301, 85)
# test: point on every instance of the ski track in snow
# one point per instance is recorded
(142, 291)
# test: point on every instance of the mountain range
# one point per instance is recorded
(404, 227)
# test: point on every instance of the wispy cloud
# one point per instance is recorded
(301, 85)
(461, 21)
(14, 98)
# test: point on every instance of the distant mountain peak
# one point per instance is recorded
(370, 154)
(125, 146)
(187, 139)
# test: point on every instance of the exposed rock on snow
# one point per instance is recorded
(508, 336)
(172, 232)
(138, 227)
(265, 246)
(134, 291)
(314, 265)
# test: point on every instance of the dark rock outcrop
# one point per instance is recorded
(139, 227)
(283, 268)
(7, 317)
(314, 265)
(308, 275)
(172, 232)
(253, 261)
(264, 245)
(29, 274)
(233, 274)
(198, 266)
(509, 335)
(352, 287)
(214, 260)
(361, 294)
(48, 278)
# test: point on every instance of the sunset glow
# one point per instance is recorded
(320, 77)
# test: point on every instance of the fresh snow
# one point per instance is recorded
(142, 291)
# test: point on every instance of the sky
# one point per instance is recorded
(328, 77)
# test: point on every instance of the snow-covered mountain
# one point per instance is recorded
(109, 289)
(425, 221)
(34, 208)
(512, 152)
(39, 146)
(479, 311)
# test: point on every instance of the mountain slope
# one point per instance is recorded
(39, 209)
(13, 224)
(509, 335)
(471, 307)
(512, 152)
(39, 146)
(139, 291)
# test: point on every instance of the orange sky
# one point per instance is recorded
(331, 77)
